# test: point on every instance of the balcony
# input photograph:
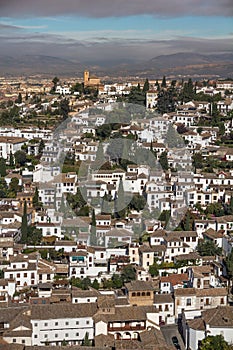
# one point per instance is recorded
(126, 328)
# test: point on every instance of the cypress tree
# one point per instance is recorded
(93, 238)
(2, 167)
(120, 201)
(24, 226)
(12, 163)
(164, 83)
(146, 86)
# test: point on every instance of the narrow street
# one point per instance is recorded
(170, 331)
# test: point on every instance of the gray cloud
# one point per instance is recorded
(106, 49)
(107, 8)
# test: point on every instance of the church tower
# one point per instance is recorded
(86, 77)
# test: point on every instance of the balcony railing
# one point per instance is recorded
(126, 328)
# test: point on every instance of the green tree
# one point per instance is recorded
(86, 341)
(229, 266)
(116, 281)
(14, 187)
(103, 131)
(138, 202)
(164, 82)
(11, 162)
(20, 157)
(208, 248)
(95, 284)
(165, 216)
(166, 101)
(93, 239)
(36, 202)
(146, 86)
(187, 221)
(24, 225)
(164, 161)
(41, 147)
(137, 96)
(64, 108)
(55, 82)
(216, 342)
(120, 208)
(188, 91)
(19, 98)
(128, 273)
(34, 235)
(2, 167)
(154, 270)
(197, 161)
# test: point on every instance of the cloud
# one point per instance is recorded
(116, 8)
(105, 49)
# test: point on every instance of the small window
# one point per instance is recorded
(87, 322)
(67, 323)
(77, 322)
(46, 324)
(56, 323)
(77, 334)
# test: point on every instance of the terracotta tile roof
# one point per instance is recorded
(163, 298)
(65, 310)
(175, 279)
(215, 292)
(139, 285)
(197, 324)
(184, 292)
(222, 316)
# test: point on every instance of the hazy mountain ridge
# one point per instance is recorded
(174, 65)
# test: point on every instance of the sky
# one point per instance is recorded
(115, 30)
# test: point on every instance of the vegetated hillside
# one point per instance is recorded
(175, 65)
(37, 64)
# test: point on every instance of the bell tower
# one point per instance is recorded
(86, 77)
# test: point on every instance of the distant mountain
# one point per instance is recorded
(174, 65)
(38, 64)
(183, 64)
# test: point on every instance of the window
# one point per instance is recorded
(87, 322)
(77, 322)
(222, 301)
(14, 340)
(67, 335)
(189, 302)
(67, 323)
(46, 324)
(46, 336)
(56, 335)
(35, 336)
(36, 324)
(56, 323)
(77, 334)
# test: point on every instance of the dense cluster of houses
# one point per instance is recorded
(38, 306)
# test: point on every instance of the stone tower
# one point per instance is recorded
(86, 77)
